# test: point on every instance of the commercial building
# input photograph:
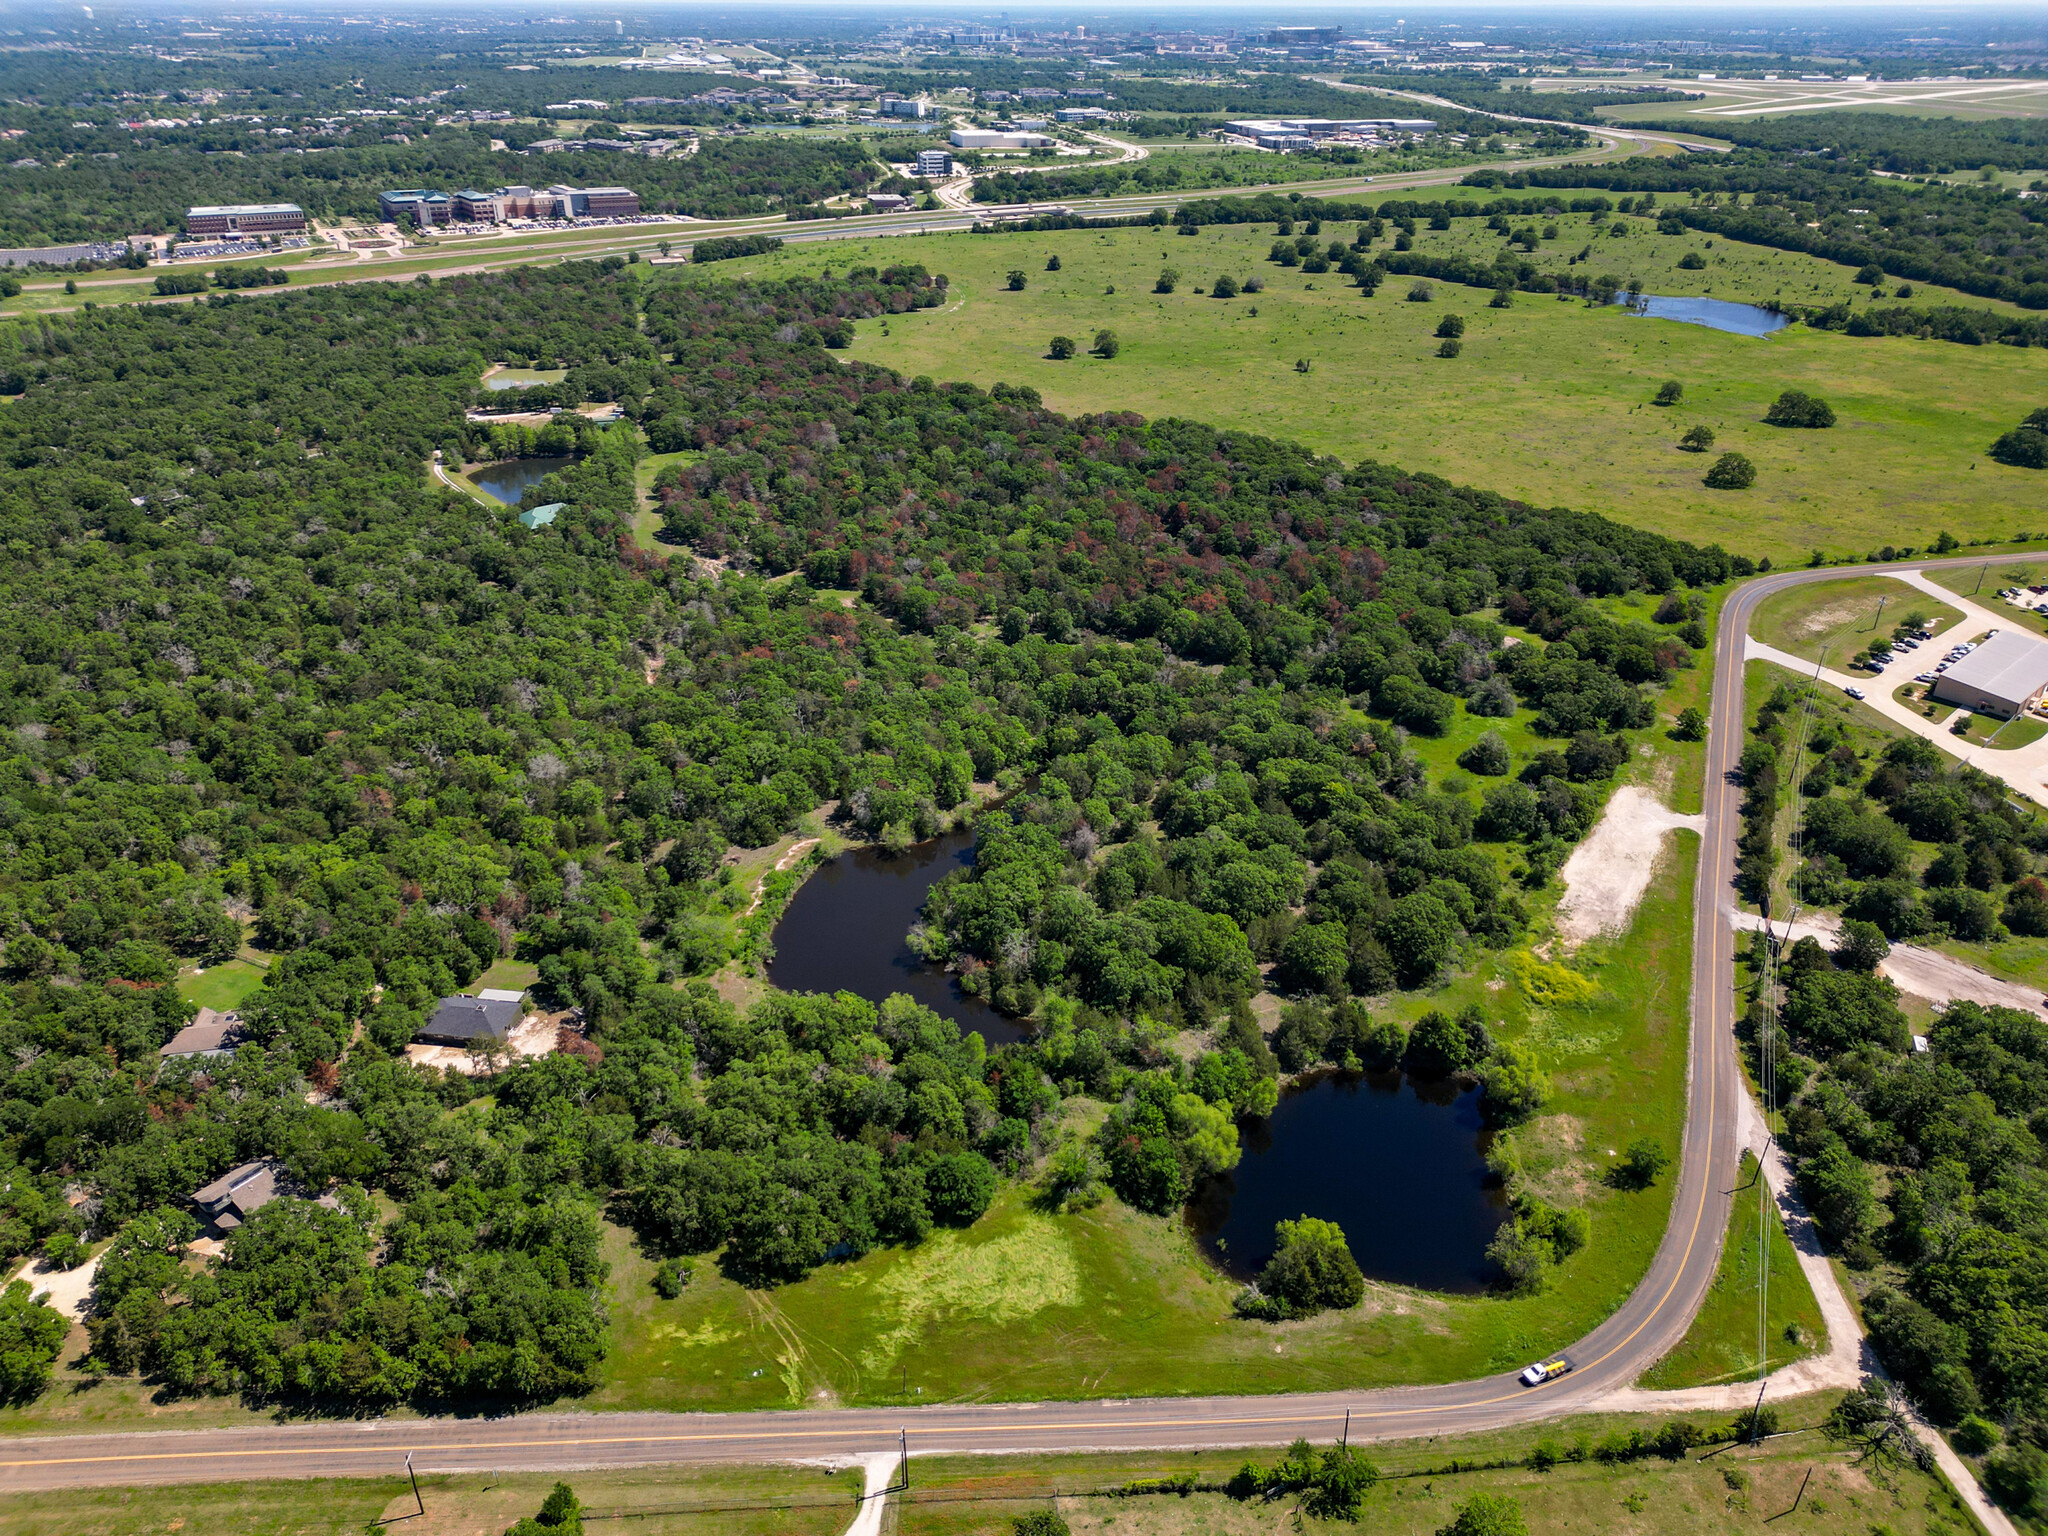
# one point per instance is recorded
(989, 138)
(415, 206)
(903, 106)
(1080, 114)
(2006, 675)
(1304, 37)
(934, 162)
(232, 219)
(556, 202)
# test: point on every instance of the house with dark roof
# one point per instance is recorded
(237, 1194)
(470, 1021)
(210, 1034)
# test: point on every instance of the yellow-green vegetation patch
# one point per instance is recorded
(1723, 1341)
(1548, 984)
(999, 1279)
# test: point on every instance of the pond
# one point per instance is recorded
(1401, 1168)
(846, 926)
(523, 378)
(1715, 314)
(507, 482)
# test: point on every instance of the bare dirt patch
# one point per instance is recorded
(534, 1035)
(1607, 874)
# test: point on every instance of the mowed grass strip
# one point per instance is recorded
(1722, 1343)
(1548, 401)
(1830, 621)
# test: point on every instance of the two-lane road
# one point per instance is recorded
(1647, 1325)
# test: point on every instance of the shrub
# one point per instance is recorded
(1052, 263)
(1451, 325)
(1487, 1514)
(1169, 278)
(1224, 287)
(1640, 1164)
(1697, 439)
(1421, 293)
(672, 1276)
(1488, 755)
(2023, 448)
(1062, 347)
(1255, 284)
(1691, 725)
(1449, 347)
(1731, 472)
(960, 1186)
(1106, 344)
(1670, 392)
(1041, 1522)
(1503, 298)
(1975, 1435)
(1691, 261)
(1016, 279)
(1796, 408)
(561, 1514)
(1303, 365)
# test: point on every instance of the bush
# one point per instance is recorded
(1796, 408)
(1451, 325)
(1062, 348)
(1503, 298)
(1697, 439)
(2018, 1478)
(1449, 347)
(1487, 1514)
(1106, 344)
(1224, 287)
(960, 1186)
(1488, 756)
(1975, 1435)
(1016, 279)
(2022, 448)
(1691, 261)
(1169, 278)
(1731, 472)
(1052, 263)
(1041, 1522)
(1692, 724)
(672, 1277)
(1670, 392)
(1640, 1164)
(1420, 293)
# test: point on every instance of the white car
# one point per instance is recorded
(1854, 693)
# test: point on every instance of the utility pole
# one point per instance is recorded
(1880, 613)
(1980, 578)
(1346, 1441)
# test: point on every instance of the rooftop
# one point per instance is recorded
(2010, 665)
(208, 1033)
(207, 208)
(461, 1020)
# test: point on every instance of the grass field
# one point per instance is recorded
(221, 986)
(1721, 1344)
(1830, 621)
(1805, 1476)
(1548, 401)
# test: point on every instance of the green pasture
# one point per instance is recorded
(1721, 1345)
(1548, 402)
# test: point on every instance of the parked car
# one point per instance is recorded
(1854, 693)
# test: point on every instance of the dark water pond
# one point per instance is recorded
(1715, 314)
(1402, 1171)
(507, 482)
(845, 928)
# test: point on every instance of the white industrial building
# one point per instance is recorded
(1303, 132)
(2006, 675)
(989, 138)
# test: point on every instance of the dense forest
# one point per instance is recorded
(1924, 1166)
(115, 186)
(266, 683)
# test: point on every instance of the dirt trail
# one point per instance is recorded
(1607, 874)
(797, 851)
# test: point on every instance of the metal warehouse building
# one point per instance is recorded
(2005, 675)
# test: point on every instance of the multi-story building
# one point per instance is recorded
(934, 162)
(232, 219)
(415, 206)
(556, 202)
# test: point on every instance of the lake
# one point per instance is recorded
(507, 481)
(1715, 314)
(845, 931)
(1402, 1170)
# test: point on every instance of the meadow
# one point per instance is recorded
(1549, 400)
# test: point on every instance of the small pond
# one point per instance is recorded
(507, 482)
(1400, 1167)
(845, 931)
(524, 378)
(1715, 314)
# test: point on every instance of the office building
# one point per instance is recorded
(903, 106)
(1304, 37)
(989, 138)
(934, 162)
(415, 206)
(235, 219)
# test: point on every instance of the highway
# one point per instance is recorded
(1645, 1327)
